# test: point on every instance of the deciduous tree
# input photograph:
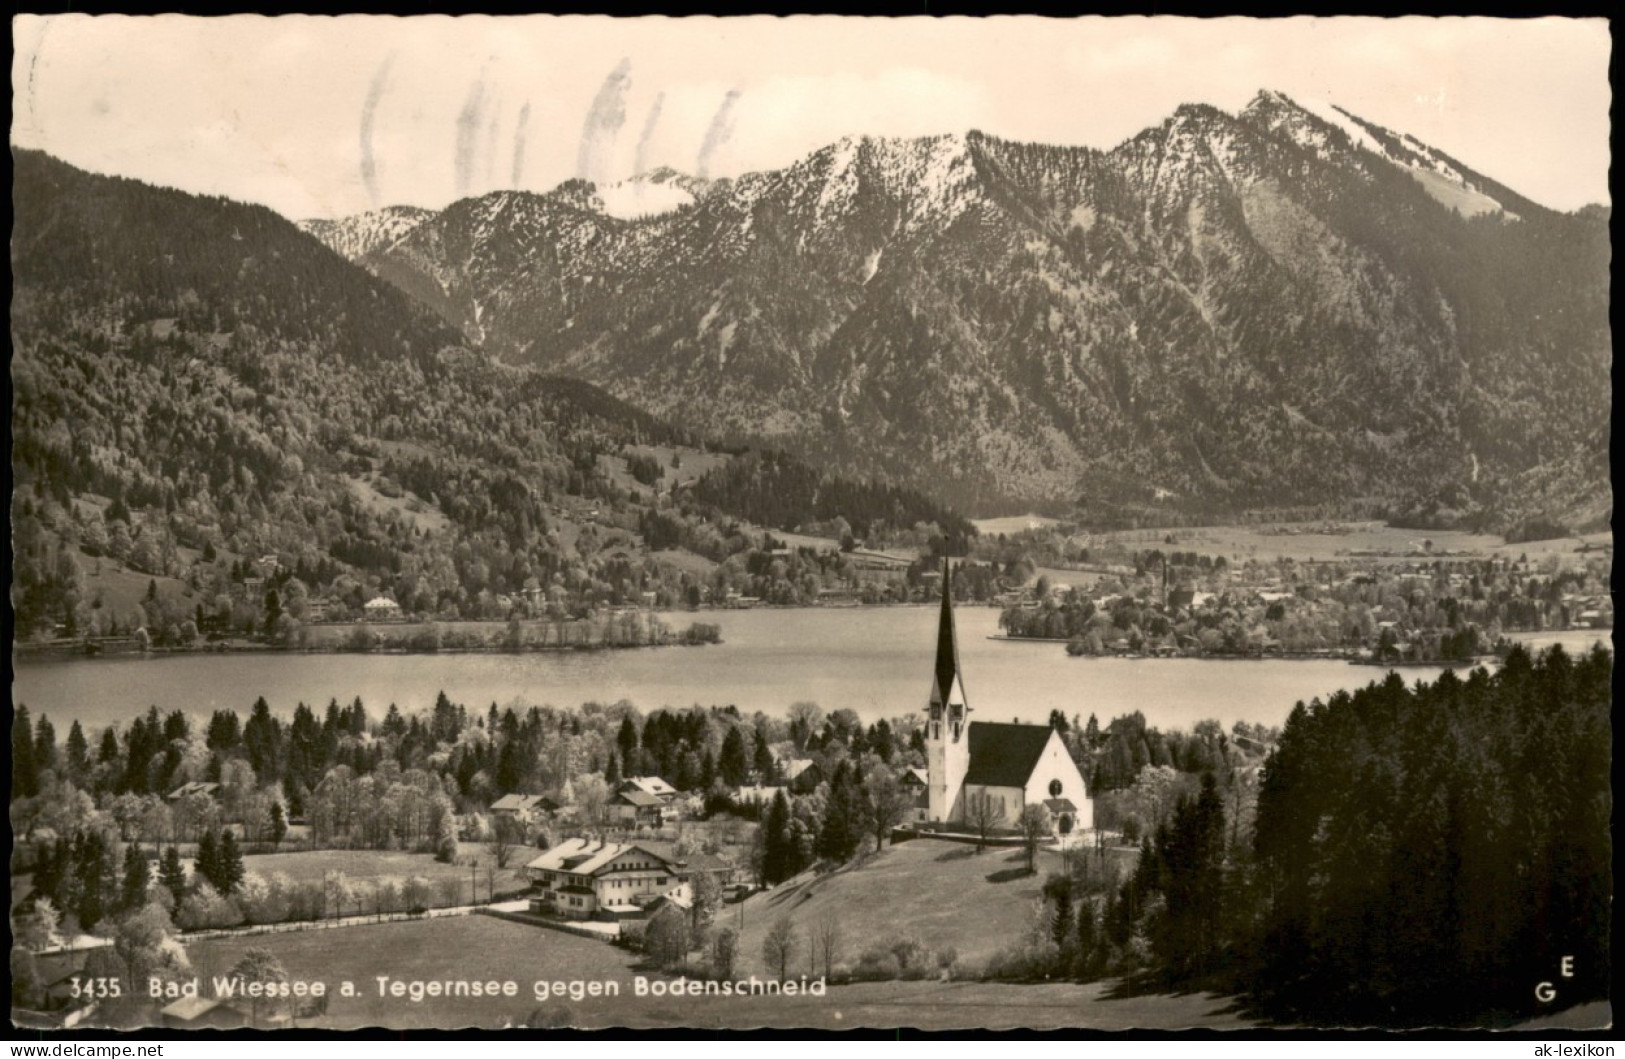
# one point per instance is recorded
(779, 947)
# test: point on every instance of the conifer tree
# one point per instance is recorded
(733, 766)
(762, 758)
(98, 879)
(78, 753)
(231, 863)
(171, 874)
(844, 825)
(107, 751)
(44, 744)
(1058, 889)
(626, 740)
(207, 864)
(279, 824)
(24, 773)
(137, 878)
(777, 852)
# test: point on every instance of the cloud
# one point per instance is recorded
(641, 158)
(521, 130)
(468, 134)
(604, 120)
(719, 133)
(369, 110)
(491, 145)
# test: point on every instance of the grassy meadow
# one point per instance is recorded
(945, 894)
(377, 864)
(480, 948)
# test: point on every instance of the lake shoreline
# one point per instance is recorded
(77, 653)
(875, 661)
(1351, 656)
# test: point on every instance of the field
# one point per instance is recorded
(483, 947)
(1302, 542)
(120, 589)
(686, 561)
(465, 948)
(801, 540)
(411, 509)
(375, 864)
(925, 1006)
(478, 948)
(992, 527)
(1057, 575)
(945, 894)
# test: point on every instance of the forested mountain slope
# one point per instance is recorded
(197, 384)
(1287, 306)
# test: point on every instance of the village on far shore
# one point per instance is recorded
(696, 843)
(600, 863)
(1365, 592)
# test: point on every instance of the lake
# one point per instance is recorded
(874, 660)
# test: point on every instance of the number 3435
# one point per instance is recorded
(96, 988)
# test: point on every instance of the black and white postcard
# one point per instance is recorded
(719, 523)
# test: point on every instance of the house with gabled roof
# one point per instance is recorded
(525, 808)
(916, 785)
(802, 774)
(632, 807)
(1011, 765)
(652, 785)
(593, 878)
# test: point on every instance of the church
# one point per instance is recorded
(1011, 765)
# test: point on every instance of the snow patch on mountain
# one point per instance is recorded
(1441, 180)
(357, 236)
(637, 198)
(871, 265)
(1338, 120)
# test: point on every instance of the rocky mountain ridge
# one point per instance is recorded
(1287, 306)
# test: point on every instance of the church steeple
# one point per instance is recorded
(947, 670)
(947, 740)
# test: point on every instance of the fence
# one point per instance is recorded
(563, 925)
(326, 924)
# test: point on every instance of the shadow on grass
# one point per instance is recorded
(1226, 1000)
(958, 853)
(1009, 875)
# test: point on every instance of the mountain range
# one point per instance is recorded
(1285, 308)
(197, 384)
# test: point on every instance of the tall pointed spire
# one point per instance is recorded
(947, 646)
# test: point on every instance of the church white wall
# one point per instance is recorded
(1057, 764)
(947, 760)
(1007, 798)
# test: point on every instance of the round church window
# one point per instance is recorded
(1054, 788)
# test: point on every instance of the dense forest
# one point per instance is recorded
(198, 385)
(773, 489)
(1433, 852)
(1418, 855)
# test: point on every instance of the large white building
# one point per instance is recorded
(583, 878)
(592, 878)
(1011, 765)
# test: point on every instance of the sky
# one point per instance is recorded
(325, 117)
